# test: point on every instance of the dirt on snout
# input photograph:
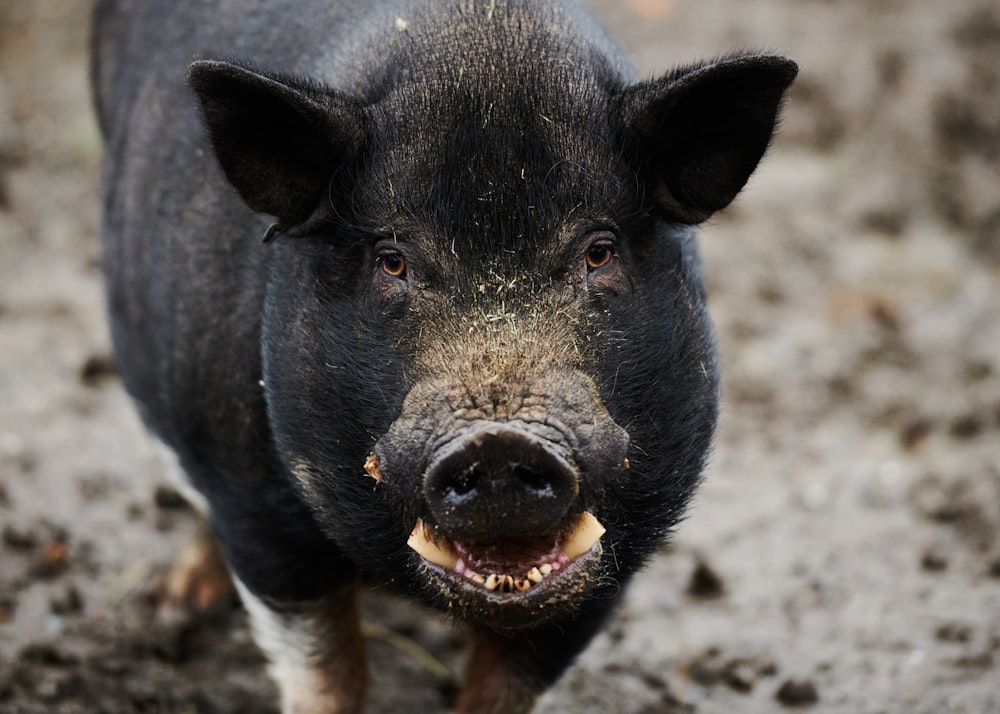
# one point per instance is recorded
(844, 552)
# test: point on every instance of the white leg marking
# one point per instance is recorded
(316, 652)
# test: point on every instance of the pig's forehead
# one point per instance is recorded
(516, 150)
(507, 174)
(493, 141)
(503, 133)
(515, 73)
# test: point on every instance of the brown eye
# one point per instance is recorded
(393, 265)
(599, 255)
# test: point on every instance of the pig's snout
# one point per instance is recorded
(497, 481)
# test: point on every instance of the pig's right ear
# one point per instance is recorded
(701, 130)
(279, 141)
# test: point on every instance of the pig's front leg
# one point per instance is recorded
(316, 649)
(500, 677)
(198, 579)
(507, 674)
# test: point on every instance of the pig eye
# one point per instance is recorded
(599, 254)
(393, 265)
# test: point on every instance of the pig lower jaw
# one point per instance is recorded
(510, 579)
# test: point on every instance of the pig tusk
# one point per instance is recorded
(437, 553)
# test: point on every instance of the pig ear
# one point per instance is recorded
(704, 129)
(279, 141)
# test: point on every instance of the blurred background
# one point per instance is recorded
(843, 554)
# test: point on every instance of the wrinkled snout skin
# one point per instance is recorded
(412, 290)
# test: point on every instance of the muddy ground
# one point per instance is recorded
(844, 553)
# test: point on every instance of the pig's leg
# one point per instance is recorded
(499, 678)
(199, 578)
(316, 649)
(506, 674)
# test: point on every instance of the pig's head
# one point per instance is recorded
(487, 361)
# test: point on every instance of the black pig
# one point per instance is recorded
(470, 359)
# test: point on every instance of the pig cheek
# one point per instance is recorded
(604, 450)
(399, 458)
(321, 406)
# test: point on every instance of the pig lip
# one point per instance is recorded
(514, 585)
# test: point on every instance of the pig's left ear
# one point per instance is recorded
(702, 130)
(279, 141)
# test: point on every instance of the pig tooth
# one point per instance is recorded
(508, 584)
(439, 553)
(545, 569)
(588, 530)
(478, 578)
(492, 581)
(522, 585)
(535, 575)
(372, 467)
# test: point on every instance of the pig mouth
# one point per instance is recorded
(512, 582)
(504, 538)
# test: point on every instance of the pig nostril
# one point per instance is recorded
(532, 480)
(497, 481)
(466, 483)
(534, 483)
